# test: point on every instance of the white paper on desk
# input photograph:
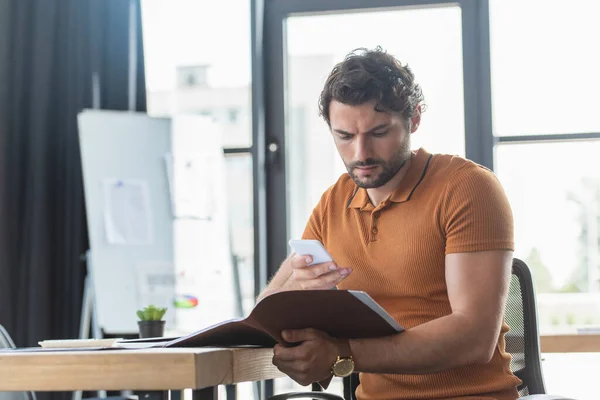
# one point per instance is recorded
(191, 182)
(127, 214)
(156, 286)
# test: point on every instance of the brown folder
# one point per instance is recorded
(346, 314)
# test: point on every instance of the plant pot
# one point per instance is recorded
(150, 329)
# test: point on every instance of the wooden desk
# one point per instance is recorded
(572, 343)
(173, 369)
(140, 370)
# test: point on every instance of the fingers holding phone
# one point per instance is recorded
(317, 276)
(313, 267)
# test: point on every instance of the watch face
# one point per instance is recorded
(343, 367)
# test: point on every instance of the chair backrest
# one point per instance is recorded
(7, 343)
(5, 339)
(522, 341)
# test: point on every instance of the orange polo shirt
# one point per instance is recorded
(445, 204)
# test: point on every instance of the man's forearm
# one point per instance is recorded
(275, 287)
(444, 343)
(281, 280)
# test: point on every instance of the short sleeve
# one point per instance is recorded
(476, 214)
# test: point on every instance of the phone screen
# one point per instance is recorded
(314, 248)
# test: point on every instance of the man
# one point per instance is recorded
(429, 237)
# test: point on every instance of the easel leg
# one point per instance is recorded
(88, 319)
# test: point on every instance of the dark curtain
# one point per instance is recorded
(50, 51)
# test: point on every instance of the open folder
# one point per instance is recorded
(345, 314)
(340, 313)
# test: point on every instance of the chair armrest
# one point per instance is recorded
(544, 397)
(306, 395)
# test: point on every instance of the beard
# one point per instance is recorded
(388, 169)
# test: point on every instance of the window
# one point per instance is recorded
(185, 74)
(553, 185)
(197, 64)
(555, 198)
(545, 66)
(545, 101)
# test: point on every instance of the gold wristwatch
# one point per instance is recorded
(344, 365)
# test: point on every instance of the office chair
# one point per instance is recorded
(522, 342)
(7, 343)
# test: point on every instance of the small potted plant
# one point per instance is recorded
(151, 323)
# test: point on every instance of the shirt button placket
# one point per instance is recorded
(374, 229)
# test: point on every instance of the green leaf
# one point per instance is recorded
(151, 313)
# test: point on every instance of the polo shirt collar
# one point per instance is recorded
(360, 199)
(413, 177)
(411, 180)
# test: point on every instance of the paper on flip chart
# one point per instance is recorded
(127, 213)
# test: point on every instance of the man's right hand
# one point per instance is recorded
(296, 274)
(318, 276)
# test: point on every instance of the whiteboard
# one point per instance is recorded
(188, 241)
(127, 146)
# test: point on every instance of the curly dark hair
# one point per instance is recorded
(367, 75)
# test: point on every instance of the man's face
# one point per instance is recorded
(373, 145)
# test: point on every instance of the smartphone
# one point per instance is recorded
(312, 248)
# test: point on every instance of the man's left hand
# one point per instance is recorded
(311, 360)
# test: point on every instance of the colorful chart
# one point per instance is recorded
(186, 301)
